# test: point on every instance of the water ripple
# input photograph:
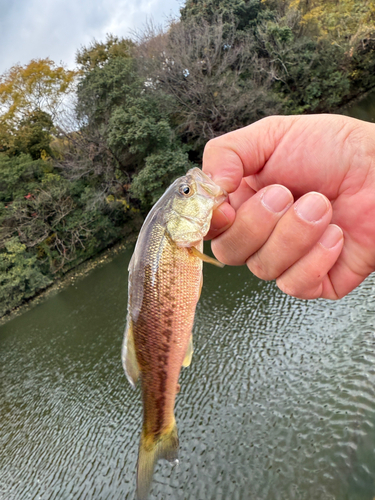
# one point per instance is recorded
(279, 402)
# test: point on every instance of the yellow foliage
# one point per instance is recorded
(44, 155)
(38, 85)
(110, 199)
(341, 20)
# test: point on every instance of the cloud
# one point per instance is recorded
(31, 29)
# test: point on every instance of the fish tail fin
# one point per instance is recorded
(150, 450)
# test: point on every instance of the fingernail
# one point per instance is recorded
(333, 234)
(277, 198)
(312, 207)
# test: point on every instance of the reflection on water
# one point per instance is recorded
(279, 402)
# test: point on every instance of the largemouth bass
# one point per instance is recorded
(165, 280)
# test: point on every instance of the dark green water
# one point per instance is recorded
(364, 109)
(278, 404)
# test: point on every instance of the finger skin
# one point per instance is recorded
(309, 277)
(289, 150)
(222, 218)
(243, 152)
(292, 238)
(251, 228)
(242, 194)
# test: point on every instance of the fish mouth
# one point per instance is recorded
(206, 185)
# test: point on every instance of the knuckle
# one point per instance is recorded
(299, 290)
(210, 145)
(225, 252)
(259, 268)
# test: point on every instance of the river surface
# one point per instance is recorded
(278, 403)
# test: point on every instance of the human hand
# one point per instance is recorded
(322, 244)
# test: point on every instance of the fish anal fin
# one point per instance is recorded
(150, 450)
(189, 353)
(129, 358)
(205, 258)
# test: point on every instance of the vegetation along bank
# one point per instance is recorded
(84, 153)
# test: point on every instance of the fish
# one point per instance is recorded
(164, 286)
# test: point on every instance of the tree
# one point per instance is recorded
(124, 122)
(239, 13)
(308, 75)
(343, 21)
(97, 54)
(33, 136)
(20, 277)
(31, 97)
(40, 85)
(214, 76)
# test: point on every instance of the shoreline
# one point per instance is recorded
(75, 274)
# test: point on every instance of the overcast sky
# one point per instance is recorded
(33, 29)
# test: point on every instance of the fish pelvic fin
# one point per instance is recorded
(152, 448)
(128, 355)
(189, 353)
(205, 258)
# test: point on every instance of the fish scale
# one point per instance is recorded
(168, 312)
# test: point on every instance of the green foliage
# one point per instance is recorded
(104, 88)
(19, 175)
(98, 53)
(309, 75)
(138, 127)
(20, 276)
(241, 13)
(49, 225)
(128, 124)
(33, 136)
(160, 170)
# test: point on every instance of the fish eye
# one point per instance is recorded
(184, 189)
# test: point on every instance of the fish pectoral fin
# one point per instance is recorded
(189, 353)
(129, 358)
(206, 258)
(150, 450)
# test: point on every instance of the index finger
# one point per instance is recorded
(245, 151)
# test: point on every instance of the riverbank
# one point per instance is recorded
(74, 275)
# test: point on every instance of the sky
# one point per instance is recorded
(34, 29)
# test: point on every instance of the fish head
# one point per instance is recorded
(193, 199)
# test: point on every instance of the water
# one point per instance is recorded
(278, 403)
(363, 109)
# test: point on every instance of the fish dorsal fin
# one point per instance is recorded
(189, 353)
(206, 258)
(129, 358)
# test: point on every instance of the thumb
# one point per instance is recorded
(245, 151)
